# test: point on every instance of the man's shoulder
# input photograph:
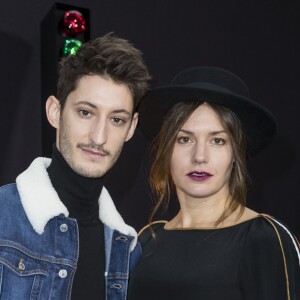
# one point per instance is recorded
(8, 190)
(10, 203)
(8, 193)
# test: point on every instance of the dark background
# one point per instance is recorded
(258, 40)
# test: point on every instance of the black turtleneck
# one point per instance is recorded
(80, 195)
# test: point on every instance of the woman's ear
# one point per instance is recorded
(53, 111)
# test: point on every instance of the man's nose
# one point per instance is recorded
(99, 132)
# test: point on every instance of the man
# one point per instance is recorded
(61, 236)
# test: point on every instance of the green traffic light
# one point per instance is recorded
(71, 46)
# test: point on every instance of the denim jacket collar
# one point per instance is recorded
(41, 202)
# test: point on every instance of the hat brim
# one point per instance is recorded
(258, 123)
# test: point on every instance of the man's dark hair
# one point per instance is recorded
(110, 57)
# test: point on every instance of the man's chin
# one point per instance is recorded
(90, 172)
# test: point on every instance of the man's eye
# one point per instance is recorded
(118, 121)
(84, 113)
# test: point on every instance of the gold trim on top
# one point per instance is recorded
(150, 224)
(213, 228)
(283, 255)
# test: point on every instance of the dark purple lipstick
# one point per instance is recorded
(199, 176)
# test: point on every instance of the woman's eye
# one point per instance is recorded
(183, 140)
(218, 141)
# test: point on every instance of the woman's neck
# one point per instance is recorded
(201, 211)
(206, 213)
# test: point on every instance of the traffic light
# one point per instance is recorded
(72, 28)
(64, 29)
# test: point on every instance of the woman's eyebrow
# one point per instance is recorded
(217, 132)
(186, 131)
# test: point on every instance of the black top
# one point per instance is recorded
(239, 262)
(80, 195)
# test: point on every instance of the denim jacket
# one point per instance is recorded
(39, 244)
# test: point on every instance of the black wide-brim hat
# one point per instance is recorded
(211, 85)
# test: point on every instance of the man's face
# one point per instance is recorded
(95, 123)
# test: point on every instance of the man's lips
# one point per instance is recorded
(199, 176)
(93, 152)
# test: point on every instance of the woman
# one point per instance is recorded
(215, 247)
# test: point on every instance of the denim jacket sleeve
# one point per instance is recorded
(119, 261)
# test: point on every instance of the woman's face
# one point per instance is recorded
(202, 158)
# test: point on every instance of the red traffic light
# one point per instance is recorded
(73, 23)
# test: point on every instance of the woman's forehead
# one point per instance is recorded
(203, 117)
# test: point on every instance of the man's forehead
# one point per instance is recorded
(100, 92)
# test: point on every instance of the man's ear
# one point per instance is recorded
(53, 111)
(133, 125)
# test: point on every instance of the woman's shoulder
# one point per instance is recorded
(151, 230)
(270, 252)
(281, 229)
(268, 230)
(270, 226)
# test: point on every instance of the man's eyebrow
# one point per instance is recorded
(119, 111)
(86, 103)
(116, 111)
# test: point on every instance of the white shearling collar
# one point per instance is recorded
(41, 202)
